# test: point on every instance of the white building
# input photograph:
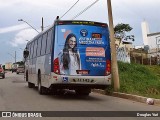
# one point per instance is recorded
(154, 40)
(150, 39)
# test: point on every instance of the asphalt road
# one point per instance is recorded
(16, 96)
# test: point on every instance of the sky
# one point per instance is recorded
(14, 34)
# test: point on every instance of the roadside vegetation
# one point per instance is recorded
(139, 79)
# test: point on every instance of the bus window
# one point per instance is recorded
(49, 40)
(32, 49)
(39, 46)
(35, 48)
(43, 50)
(29, 48)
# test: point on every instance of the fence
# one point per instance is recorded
(144, 61)
(123, 54)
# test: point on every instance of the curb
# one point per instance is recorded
(127, 96)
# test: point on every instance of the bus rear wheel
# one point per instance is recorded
(3, 76)
(83, 91)
(42, 90)
(31, 85)
(27, 76)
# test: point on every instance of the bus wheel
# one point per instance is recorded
(58, 91)
(27, 76)
(31, 85)
(41, 89)
(83, 91)
(3, 76)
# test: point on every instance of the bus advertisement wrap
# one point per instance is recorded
(82, 49)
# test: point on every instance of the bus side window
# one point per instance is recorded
(29, 49)
(35, 49)
(32, 49)
(43, 50)
(49, 39)
(39, 46)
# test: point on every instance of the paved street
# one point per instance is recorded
(16, 96)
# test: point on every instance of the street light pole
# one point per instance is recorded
(28, 24)
(113, 49)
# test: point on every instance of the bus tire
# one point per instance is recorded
(3, 76)
(58, 91)
(85, 92)
(41, 89)
(26, 75)
(30, 85)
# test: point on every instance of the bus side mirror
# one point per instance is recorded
(25, 53)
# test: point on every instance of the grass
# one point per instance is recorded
(139, 79)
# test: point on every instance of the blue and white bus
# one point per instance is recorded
(72, 55)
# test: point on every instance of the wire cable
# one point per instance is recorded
(69, 9)
(85, 9)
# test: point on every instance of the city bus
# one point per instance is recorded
(73, 55)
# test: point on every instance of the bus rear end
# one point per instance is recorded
(81, 58)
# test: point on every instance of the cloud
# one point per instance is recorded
(21, 37)
(40, 3)
(13, 28)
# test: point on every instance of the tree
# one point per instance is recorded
(120, 31)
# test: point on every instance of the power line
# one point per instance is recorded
(85, 9)
(69, 9)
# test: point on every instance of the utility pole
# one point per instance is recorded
(113, 49)
(42, 27)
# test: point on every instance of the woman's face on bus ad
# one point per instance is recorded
(72, 42)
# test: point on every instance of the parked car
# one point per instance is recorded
(2, 72)
(14, 67)
(20, 69)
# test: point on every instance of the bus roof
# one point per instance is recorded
(71, 22)
(79, 22)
